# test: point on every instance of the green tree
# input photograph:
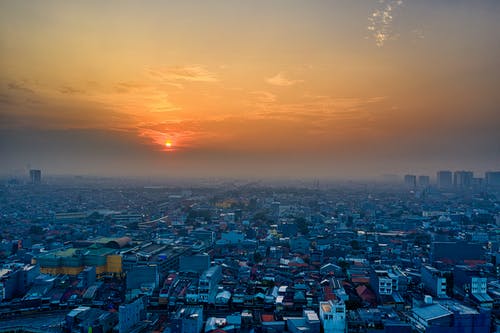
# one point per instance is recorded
(257, 257)
(302, 225)
(36, 230)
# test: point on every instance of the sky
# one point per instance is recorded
(260, 88)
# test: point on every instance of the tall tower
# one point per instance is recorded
(423, 181)
(463, 179)
(444, 179)
(35, 176)
(333, 316)
(410, 181)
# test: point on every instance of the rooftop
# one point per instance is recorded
(431, 312)
(326, 306)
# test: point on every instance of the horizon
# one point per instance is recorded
(393, 178)
(280, 89)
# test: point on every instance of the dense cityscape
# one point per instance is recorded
(404, 254)
(251, 166)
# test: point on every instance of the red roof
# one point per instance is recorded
(366, 294)
(267, 317)
(361, 279)
(328, 294)
(474, 262)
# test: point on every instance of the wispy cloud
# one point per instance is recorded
(20, 87)
(194, 73)
(281, 80)
(322, 109)
(264, 96)
(69, 90)
(380, 21)
(129, 86)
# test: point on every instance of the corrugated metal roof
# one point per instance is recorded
(431, 312)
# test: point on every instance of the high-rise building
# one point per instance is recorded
(462, 179)
(410, 180)
(444, 179)
(423, 181)
(275, 210)
(492, 178)
(35, 176)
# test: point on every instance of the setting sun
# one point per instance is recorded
(168, 144)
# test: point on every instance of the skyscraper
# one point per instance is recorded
(423, 181)
(411, 180)
(444, 179)
(462, 179)
(35, 176)
(492, 178)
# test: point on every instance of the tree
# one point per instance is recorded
(344, 265)
(36, 230)
(302, 225)
(257, 257)
(355, 244)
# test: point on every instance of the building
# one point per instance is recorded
(463, 179)
(429, 316)
(166, 257)
(456, 252)
(309, 322)
(208, 284)
(188, 319)
(103, 254)
(87, 319)
(141, 275)
(471, 282)
(130, 314)
(35, 176)
(195, 264)
(424, 181)
(231, 237)
(332, 315)
(15, 280)
(434, 281)
(492, 178)
(383, 282)
(450, 317)
(410, 180)
(275, 210)
(444, 179)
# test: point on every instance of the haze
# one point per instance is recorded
(249, 88)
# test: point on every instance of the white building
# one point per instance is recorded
(434, 281)
(208, 285)
(333, 317)
(130, 314)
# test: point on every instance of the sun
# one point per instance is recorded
(168, 144)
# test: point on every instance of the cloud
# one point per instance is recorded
(20, 87)
(68, 90)
(5, 99)
(193, 73)
(128, 86)
(161, 103)
(281, 80)
(264, 96)
(381, 19)
(320, 109)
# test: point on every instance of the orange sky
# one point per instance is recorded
(256, 88)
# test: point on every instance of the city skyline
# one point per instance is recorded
(329, 89)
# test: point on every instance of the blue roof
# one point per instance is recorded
(431, 312)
